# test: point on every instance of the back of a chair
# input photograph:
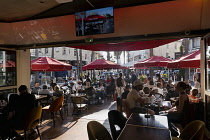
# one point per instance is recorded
(97, 131)
(126, 108)
(116, 118)
(57, 104)
(78, 100)
(32, 118)
(193, 131)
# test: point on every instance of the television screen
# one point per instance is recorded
(98, 21)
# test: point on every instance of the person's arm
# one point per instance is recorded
(140, 100)
(181, 103)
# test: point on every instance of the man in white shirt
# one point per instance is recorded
(134, 99)
(159, 88)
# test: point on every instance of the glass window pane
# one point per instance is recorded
(7, 68)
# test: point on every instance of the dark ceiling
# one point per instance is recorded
(20, 10)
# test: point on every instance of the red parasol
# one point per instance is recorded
(49, 64)
(101, 64)
(154, 61)
(191, 60)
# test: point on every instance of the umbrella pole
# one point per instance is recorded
(45, 77)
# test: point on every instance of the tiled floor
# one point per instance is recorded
(75, 128)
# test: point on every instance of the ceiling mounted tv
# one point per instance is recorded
(92, 22)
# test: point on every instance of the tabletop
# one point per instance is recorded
(131, 132)
(155, 121)
(78, 95)
(38, 97)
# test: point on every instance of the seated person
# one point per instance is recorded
(151, 84)
(23, 103)
(36, 88)
(45, 91)
(159, 88)
(134, 99)
(126, 91)
(188, 89)
(100, 91)
(52, 85)
(77, 87)
(147, 93)
(65, 83)
(57, 91)
(192, 96)
(170, 86)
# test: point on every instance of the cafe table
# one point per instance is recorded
(78, 95)
(139, 127)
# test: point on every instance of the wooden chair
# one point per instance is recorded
(32, 119)
(97, 131)
(79, 104)
(126, 108)
(55, 106)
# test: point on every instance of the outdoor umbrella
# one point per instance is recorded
(191, 60)
(49, 64)
(8, 64)
(101, 64)
(154, 61)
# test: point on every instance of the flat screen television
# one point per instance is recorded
(92, 22)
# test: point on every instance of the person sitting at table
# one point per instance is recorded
(52, 85)
(100, 90)
(170, 86)
(57, 91)
(175, 114)
(151, 84)
(45, 91)
(148, 93)
(134, 99)
(159, 88)
(192, 96)
(188, 88)
(126, 91)
(23, 103)
(36, 88)
(77, 87)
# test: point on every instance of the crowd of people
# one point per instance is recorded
(137, 93)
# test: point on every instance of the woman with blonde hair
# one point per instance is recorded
(57, 91)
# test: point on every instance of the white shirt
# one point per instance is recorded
(133, 95)
(159, 90)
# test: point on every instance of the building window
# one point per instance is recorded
(64, 50)
(8, 68)
(46, 50)
(175, 46)
(75, 52)
(40, 50)
(69, 50)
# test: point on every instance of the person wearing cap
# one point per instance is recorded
(134, 99)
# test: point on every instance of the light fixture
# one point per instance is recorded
(63, 1)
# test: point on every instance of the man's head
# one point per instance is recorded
(138, 85)
(197, 70)
(22, 88)
(44, 87)
(120, 75)
(195, 92)
(36, 84)
(132, 72)
(127, 87)
(159, 85)
(146, 90)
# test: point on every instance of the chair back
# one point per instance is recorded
(78, 100)
(57, 104)
(116, 118)
(32, 118)
(97, 131)
(193, 131)
(126, 108)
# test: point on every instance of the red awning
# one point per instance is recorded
(101, 64)
(127, 46)
(191, 60)
(154, 61)
(49, 64)
(142, 68)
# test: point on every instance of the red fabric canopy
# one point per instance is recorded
(49, 64)
(142, 68)
(8, 64)
(154, 61)
(101, 64)
(127, 46)
(191, 60)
